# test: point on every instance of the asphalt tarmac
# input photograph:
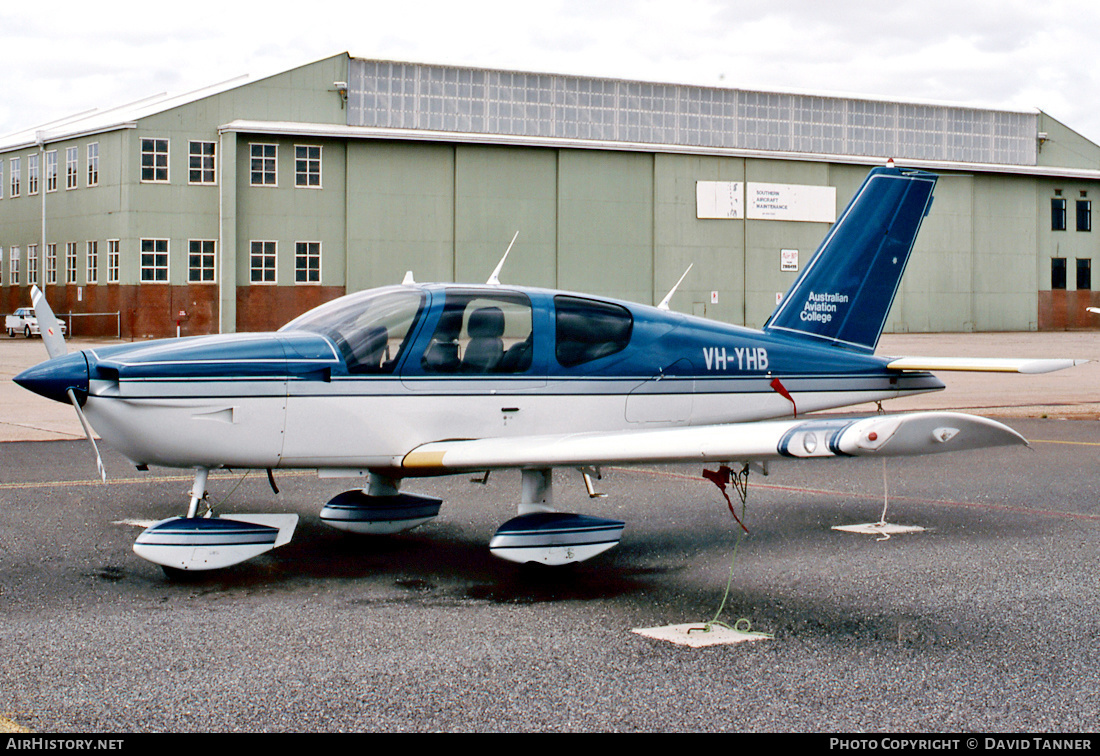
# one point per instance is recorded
(984, 622)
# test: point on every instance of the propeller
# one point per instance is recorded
(56, 347)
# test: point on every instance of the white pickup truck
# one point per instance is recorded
(24, 322)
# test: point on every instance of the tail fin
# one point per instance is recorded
(844, 295)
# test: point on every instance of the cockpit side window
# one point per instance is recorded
(587, 329)
(371, 330)
(481, 332)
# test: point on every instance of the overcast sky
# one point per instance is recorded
(68, 57)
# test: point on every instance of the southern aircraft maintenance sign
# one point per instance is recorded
(790, 202)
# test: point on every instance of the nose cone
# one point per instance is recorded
(53, 378)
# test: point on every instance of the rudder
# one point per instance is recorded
(845, 293)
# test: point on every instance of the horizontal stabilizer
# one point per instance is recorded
(983, 365)
(882, 435)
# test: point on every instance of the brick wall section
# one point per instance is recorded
(145, 311)
(266, 308)
(1065, 310)
(151, 311)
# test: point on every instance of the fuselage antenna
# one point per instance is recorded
(494, 280)
(664, 302)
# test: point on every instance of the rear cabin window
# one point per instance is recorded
(588, 330)
(481, 332)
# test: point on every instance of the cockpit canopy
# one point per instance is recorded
(370, 328)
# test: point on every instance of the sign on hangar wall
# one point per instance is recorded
(785, 202)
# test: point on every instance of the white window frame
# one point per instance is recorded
(93, 164)
(16, 170)
(32, 263)
(51, 171)
(112, 261)
(1, 266)
(304, 251)
(51, 263)
(265, 163)
(15, 253)
(154, 154)
(91, 257)
(306, 167)
(72, 162)
(263, 259)
(32, 174)
(1, 179)
(207, 248)
(202, 157)
(150, 266)
(70, 262)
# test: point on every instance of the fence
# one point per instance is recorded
(68, 316)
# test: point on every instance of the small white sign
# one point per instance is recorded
(788, 260)
(778, 298)
(714, 297)
(719, 199)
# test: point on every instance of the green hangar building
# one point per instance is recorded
(240, 206)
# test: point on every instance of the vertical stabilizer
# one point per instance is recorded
(845, 293)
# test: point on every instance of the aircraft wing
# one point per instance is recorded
(881, 435)
(982, 364)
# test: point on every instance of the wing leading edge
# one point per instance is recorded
(880, 435)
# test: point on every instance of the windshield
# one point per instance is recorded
(370, 328)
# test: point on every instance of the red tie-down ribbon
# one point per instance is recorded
(720, 478)
(780, 389)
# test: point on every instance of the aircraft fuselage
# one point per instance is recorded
(310, 396)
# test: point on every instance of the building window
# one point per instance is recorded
(112, 261)
(307, 166)
(1084, 215)
(71, 158)
(32, 263)
(154, 260)
(16, 173)
(1, 179)
(93, 263)
(1084, 274)
(51, 171)
(154, 160)
(200, 163)
(16, 254)
(51, 263)
(1057, 273)
(200, 260)
(264, 160)
(307, 262)
(32, 174)
(1058, 214)
(262, 262)
(1, 266)
(70, 262)
(93, 164)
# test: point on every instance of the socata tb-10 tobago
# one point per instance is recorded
(435, 379)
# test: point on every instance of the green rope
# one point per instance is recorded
(210, 507)
(742, 625)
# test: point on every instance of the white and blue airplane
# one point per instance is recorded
(436, 379)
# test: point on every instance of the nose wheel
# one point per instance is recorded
(196, 543)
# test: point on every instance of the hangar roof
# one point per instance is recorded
(388, 99)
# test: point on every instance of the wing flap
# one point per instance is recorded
(881, 435)
(983, 364)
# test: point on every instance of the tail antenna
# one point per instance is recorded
(494, 280)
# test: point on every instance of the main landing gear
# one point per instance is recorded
(538, 534)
